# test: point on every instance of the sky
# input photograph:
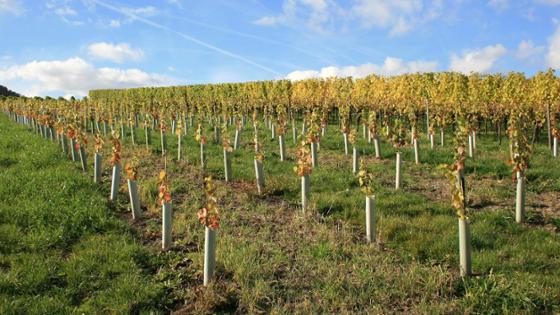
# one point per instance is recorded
(67, 47)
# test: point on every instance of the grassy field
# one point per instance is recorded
(63, 249)
(83, 255)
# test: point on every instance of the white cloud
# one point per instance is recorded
(499, 5)
(479, 60)
(117, 53)
(11, 6)
(6, 60)
(176, 3)
(528, 51)
(549, 2)
(268, 20)
(401, 27)
(374, 12)
(553, 54)
(315, 14)
(115, 23)
(75, 76)
(75, 23)
(65, 11)
(391, 66)
(397, 16)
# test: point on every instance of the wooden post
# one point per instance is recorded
(73, 150)
(132, 134)
(147, 136)
(64, 141)
(163, 142)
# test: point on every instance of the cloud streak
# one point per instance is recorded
(271, 41)
(186, 36)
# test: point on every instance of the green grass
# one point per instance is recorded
(62, 249)
(273, 259)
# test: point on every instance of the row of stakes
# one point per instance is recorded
(78, 154)
(210, 234)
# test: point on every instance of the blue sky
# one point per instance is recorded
(66, 47)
